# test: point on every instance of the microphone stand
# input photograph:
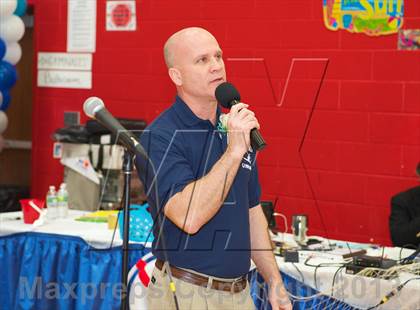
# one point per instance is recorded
(127, 170)
(94, 108)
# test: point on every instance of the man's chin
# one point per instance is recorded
(212, 90)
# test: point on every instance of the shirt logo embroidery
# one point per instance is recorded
(248, 158)
(247, 163)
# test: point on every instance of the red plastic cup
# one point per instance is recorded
(29, 213)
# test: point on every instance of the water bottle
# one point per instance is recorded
(63, 201)
(51, 200)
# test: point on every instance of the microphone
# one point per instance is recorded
(94, 108)
(227, 95)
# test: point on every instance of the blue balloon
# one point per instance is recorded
(8, 75)
(2, 49)
(6, 100)
(20, 8)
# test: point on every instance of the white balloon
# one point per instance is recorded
(7, 7)
(13, 53)
(12, 28)
(3, 122)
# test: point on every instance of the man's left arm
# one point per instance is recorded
(263, 257)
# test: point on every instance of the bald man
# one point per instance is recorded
(206, 185)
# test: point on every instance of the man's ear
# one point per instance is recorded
(175, 76)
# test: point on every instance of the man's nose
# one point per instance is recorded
(216, 64)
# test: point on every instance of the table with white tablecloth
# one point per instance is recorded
(64, 264)
(321, 281)
(67, 264)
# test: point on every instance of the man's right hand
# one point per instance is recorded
(240, 123)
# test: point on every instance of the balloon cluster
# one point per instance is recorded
(12, 29)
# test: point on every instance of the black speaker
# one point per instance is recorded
(268, 209)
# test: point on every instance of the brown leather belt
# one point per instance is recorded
(184, 275)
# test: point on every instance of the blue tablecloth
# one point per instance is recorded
(46, 271)
(49, 271)
(259, 291)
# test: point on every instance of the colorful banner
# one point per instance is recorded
(372, 17)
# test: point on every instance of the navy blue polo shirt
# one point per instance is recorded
(184, 148)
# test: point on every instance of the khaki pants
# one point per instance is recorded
(192, 297)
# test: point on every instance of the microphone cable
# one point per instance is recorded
(391, 294)
(159, 219)
(324, 226)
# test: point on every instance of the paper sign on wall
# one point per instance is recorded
(81, 26)
(121, 15)
(372, 17)
(64, 70)
(64, 61)
(64, 79)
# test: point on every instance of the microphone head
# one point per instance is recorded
(226, 93)
(92, 105)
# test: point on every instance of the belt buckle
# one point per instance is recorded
(232, 288)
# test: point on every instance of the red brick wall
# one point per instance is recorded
(362, 143)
